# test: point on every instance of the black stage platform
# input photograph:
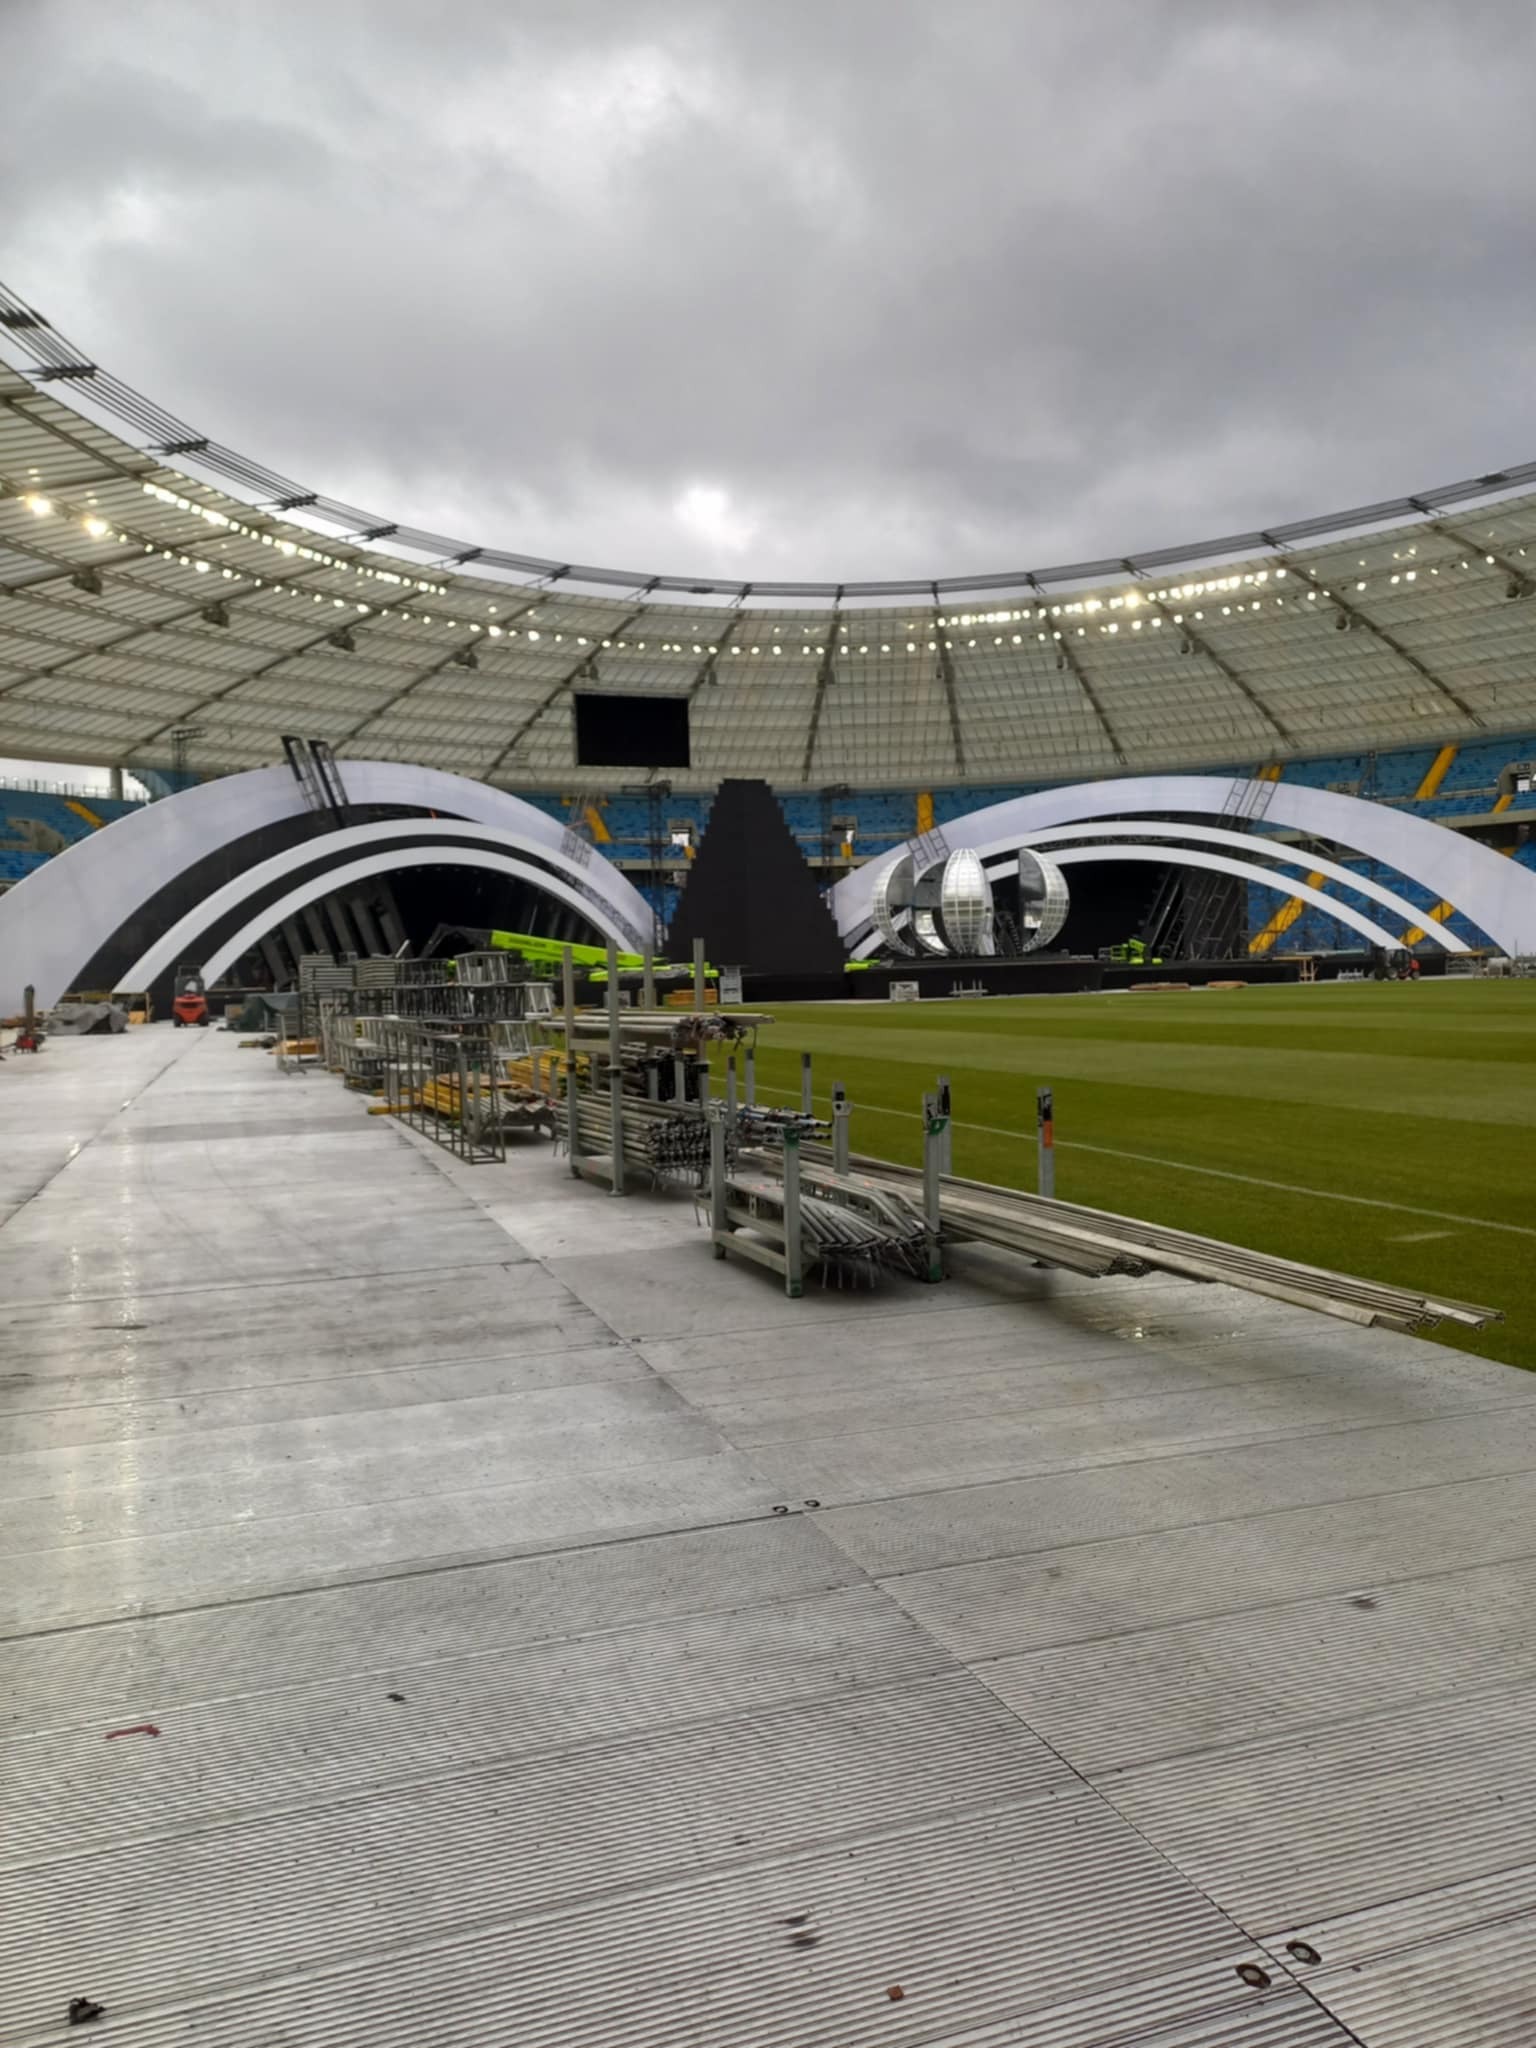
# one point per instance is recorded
(1049, 974)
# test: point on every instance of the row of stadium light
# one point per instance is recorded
(1129, 601)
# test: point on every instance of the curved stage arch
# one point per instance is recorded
(1495, 894)
(1244, 870)
(230, 950)
(1199, 857)
(66, 914)
(430, 838)
(1213, 835)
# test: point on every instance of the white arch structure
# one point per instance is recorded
(1199, 857)
(1495, 894)
(58, 918)
(1314, 863)
(1245, 870)
(316, 886)
(427, 837)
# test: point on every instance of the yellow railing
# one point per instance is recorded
(1282, 920)
(1434, 775)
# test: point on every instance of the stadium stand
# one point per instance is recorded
(36, 823)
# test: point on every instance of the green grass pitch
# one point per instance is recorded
(1382, 1129)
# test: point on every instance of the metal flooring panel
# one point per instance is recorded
(1476, 1990)
(1021, 1331)
(94, 1582)
(927, 1456)
(567, 1226)
(683, 1292)
(969, 1525)
(307, 1119)
(354, 1393)
(80, 1677)
(412, 1922)
(1306, 1828)
(92, 1494)
(845, 1388)
(910, 1445)
(1095, 1590)
(513, 1686)
(225, 1902)
(1416, 1920)
(1284, 1670)
(252, 1241)
(204, 1339)
(238, 1757)
(714, 1964)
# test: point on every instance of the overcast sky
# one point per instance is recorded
(828, 288)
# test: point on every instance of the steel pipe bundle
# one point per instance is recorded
(756, 1124)
(657, 1138)
(1097, 1242)
(634, 1033)
(873, 1228)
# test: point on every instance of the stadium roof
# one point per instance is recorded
(162, 597)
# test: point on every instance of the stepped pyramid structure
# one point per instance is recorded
(750, 895)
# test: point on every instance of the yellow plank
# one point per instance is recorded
(1505, 800)
(601, 836)
(924, 812)
(1434, 775)
(84, 811)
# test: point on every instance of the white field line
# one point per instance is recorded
(1252, 1180)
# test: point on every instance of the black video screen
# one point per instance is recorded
(631, 732)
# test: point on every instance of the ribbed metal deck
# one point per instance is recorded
(558, 1637)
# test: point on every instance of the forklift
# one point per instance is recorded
(189, 1005)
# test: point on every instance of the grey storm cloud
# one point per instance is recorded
(831, 288)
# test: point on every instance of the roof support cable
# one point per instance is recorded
(1067, 657)
(1520, 581)
(947, 679)
(454, 655)
(826, 676)
(1201, 646)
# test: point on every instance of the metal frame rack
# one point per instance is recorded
(636, 1085)
(774, 1205)
(445, 1085)
(440, 1041)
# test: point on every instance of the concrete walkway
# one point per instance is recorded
(557, 1637)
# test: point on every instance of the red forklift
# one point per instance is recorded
(189, 1005)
